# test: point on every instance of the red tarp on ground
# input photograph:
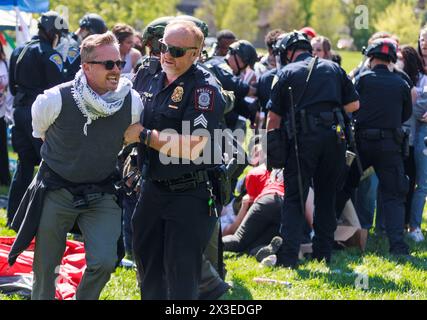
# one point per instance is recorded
(70, 273)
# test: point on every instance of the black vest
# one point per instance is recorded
(79, 158)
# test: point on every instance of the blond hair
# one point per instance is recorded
(90, 43)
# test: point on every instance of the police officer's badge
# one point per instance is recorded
(204, 99)
(177, 94)
(72, 55)
(57, 60)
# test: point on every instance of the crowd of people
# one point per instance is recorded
(99, 111)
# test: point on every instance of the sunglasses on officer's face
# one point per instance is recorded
(109, 64)
(176, 52)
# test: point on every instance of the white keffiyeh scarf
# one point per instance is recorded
(94, 106)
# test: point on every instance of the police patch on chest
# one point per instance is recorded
(204, 99)
(177, 94)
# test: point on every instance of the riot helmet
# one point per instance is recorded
(384, 49)
(93, 23)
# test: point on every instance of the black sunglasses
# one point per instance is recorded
(176, 52)
(109, 64)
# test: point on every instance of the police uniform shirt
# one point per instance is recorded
(40, 68)
(228, 80)
(380, 110)
(193, 99)
(329, 86)
(264, 88)
(72, 58)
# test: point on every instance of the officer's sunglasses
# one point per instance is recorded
(176, 52)
(109, 64)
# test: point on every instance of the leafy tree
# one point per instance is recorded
(287, 15)
(328, 19)
(135, 13)
(399, 18)
(213, 13)
(353, 12)
(243, 22)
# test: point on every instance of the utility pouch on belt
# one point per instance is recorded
(277, 148)
(221, 181)
(402, 138)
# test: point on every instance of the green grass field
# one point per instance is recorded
(351, 275)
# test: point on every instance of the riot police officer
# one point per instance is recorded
(89, 24)
(241, 54)
(379, 136)
(170, 233)
(319, 90)
(34, 67)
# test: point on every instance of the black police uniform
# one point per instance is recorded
(72, 60)
(230, 82)
(322, 157)
(173, 222)
(264, 88)
(39, 68)
(378, 134)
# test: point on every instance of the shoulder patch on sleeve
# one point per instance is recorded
(57, 60)
(204, 98)
(72, 55)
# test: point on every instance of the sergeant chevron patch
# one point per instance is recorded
(201, 120)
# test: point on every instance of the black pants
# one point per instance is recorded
(260, 225)
(170, 233)
(384, 155)
(322, 161)
(4, 157)
(28, 149)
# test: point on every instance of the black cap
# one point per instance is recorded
(94, 23)
(245, 50)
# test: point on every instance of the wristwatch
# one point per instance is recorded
(145, 136)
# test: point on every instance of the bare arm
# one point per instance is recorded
(352, 106)
(273, 121)
(246, 204)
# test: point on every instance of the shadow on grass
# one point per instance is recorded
(238, 291)
(340, 273)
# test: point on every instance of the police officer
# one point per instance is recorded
(266, 79)
(213, 271)
(321, 153)
(379, 136)
(227, 72)
(89, 24)
(34, 67)
(175, 215)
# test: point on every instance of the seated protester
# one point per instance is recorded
(259, 217)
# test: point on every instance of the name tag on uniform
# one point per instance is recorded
(173, 107)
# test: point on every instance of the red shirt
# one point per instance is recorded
(259, 184)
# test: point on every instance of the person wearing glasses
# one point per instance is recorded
(82, 124)
(175, 215)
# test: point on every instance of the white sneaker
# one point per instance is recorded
(269, 261)
(416, 235)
